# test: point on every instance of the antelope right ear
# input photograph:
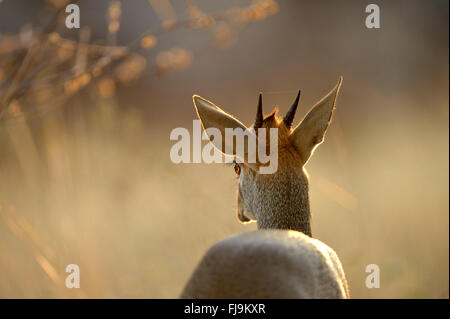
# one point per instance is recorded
(213, 117)
(311, 131)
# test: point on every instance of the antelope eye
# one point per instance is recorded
(237, 169)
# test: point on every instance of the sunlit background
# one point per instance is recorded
(85, 118)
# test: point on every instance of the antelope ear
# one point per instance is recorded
(213, 117)
(311, 130)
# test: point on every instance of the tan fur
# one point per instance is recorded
(280, 260)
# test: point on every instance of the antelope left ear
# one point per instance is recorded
(311, 130)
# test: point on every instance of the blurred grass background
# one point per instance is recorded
(85, 173)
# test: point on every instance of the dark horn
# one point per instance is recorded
(289, 117)
(259, 113)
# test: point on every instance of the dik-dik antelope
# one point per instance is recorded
(280, 259)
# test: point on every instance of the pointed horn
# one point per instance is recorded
(259, 113)
(289, 117)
